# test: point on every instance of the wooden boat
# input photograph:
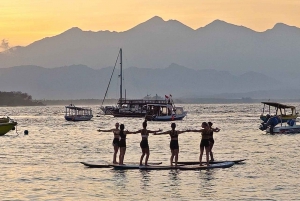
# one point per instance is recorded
(5, 127)
(74, 113)
(286, 112)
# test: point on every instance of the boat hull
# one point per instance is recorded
(165, 118)
(79, 118)
(6, 127)
(285, 129)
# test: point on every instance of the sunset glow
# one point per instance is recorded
(23, 22)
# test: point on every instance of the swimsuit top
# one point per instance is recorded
(206, 134)
(116, 133)
(174, 135)
(144, 134)
(122, 135)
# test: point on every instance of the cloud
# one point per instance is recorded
(4, 44)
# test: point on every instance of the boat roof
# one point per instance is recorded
(77, 108)
(278, 105)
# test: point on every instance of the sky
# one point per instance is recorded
(25, 21)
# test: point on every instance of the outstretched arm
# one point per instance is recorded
(110, 130)
(162, 133)
(133, 132)
(154, 131)
(194, 131)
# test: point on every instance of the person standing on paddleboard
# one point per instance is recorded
(211, 140)
(122, 142)
(205, 133)
(144, 143)
(174, 146)
(115, 142)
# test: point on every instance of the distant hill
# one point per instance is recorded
(82, 82)
(157, 43)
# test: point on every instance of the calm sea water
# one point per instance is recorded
(44, 165)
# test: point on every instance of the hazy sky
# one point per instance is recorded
(25, 21)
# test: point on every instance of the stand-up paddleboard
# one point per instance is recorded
(97, 164)
(211, 162)
(108, 165)
(226, 164)
(189, 167)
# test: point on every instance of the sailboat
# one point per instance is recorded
(127, 107)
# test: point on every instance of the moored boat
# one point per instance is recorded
(73, 113)
(164, 112)
(286, 112)
(5, 127)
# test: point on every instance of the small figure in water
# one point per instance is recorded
(205, 133)
(115, 142)
(174, 146)
(211, 140)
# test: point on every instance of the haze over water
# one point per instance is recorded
(45, 164)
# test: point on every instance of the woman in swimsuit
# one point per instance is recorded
(205, 133)
(115, 142)
(122, 142)
(144, 143)
(174, 146)
(211, 140)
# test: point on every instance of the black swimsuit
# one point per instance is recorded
(116, 139)
(174, 142)
(205, 139)
(122, 142)
(211, 138)
(144, 143)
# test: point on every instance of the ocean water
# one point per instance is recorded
(45, 165)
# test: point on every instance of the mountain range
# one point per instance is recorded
(79, 82)
(220, 59)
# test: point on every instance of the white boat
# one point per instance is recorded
(164, 112)
(289, 127)
(74, 113)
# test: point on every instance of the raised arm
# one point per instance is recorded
(216, 129)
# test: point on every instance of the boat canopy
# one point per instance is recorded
(277, 105)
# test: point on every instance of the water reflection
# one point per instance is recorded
(119, 178)
(145, 179)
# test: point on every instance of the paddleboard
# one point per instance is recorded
(143, 167)
(205, 167)
(108, 165)
(97, 164)
(211, 162)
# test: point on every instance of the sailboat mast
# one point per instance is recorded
(121, 75)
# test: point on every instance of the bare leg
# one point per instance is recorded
(142, 157)
(201, 153)
(176, 157)
(207, 155)
(147, 156)
(172, 157)
(116, 148)
(210, 151)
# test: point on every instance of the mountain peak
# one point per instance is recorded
(73, 30)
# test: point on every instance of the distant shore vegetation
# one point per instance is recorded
(17, 99)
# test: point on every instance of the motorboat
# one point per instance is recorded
(164, 112)
(73, 113)
(5, 127)
(286, 112)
